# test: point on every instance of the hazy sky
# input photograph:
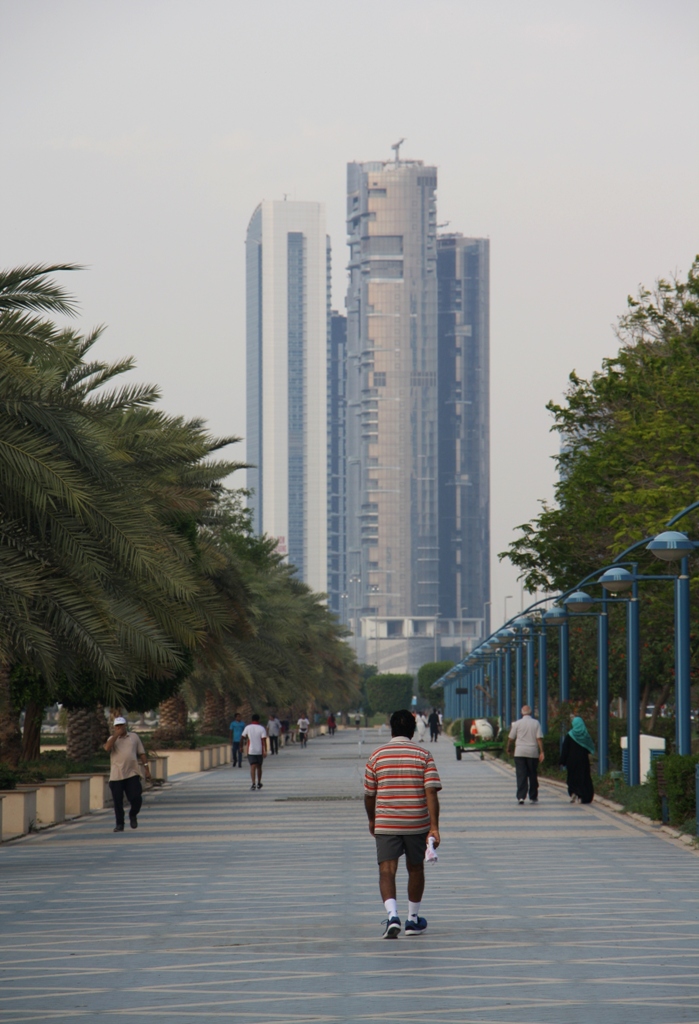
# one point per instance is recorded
(138, 137)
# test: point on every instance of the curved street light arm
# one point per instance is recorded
(684, 512)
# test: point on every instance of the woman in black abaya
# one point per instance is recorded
(575, 757)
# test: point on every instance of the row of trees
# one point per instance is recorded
(629, 461)
(128, 573)
(388, 691)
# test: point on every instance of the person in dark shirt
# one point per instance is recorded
(575, 757)
(433, 722)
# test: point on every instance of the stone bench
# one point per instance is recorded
(18, 811)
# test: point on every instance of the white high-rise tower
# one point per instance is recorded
(287, 259)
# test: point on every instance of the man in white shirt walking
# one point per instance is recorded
(529, 753)
(274, 728)
(127, 758)
(256, 736)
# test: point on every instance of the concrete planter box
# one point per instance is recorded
(199, 760)
(159, 767)
(2, 797)
(179, 761)
(77, 795)
(19, 811)
(100, 793)
(50, 802)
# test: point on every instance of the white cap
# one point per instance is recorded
(120, 721)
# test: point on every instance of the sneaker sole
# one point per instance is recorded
(392, 933)
(410, 932)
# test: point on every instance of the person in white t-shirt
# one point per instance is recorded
(256, 736)
(303, 725)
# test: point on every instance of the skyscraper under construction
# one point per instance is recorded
(392, 415)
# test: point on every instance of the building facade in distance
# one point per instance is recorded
(287, 307)
(337, 498)
(463, 274)
(392, 418)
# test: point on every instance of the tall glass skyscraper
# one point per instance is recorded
(391, 443)
(463, 274)
(288, 264)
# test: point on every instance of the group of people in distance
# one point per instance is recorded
(259, 740)
(423, 722)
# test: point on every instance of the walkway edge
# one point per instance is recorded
(664, 832)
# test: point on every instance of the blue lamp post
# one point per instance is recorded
(616, 580)
(483, 662)
(522, 623)
(672, 546)
(505, 638)
(543, 681)
(496, 668)
(558, 617)
(581, 603)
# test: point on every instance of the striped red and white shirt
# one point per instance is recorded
(398, 775)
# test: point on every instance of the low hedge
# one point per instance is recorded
(680, 783)
(8, 777)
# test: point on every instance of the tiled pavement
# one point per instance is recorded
(263, 907)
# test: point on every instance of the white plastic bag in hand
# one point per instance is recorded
(431, 855)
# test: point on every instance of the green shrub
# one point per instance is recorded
(389, 691)
(54, 739)
(205, 741)
(680, 783)
(8, 777)
(634, 799)
(429, 673)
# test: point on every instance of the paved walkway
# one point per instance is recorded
(264, 907)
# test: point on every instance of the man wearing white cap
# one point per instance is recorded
(126, 751)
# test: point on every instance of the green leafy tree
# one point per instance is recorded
(294, 654)
(366, 672)
(389, 692)
(629, 461)
(428, 674)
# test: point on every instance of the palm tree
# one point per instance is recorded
(292, 652)
(100, 572)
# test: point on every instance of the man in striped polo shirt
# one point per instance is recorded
(400, 796)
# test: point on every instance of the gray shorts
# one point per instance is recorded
(254, 758)
(391, 847)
